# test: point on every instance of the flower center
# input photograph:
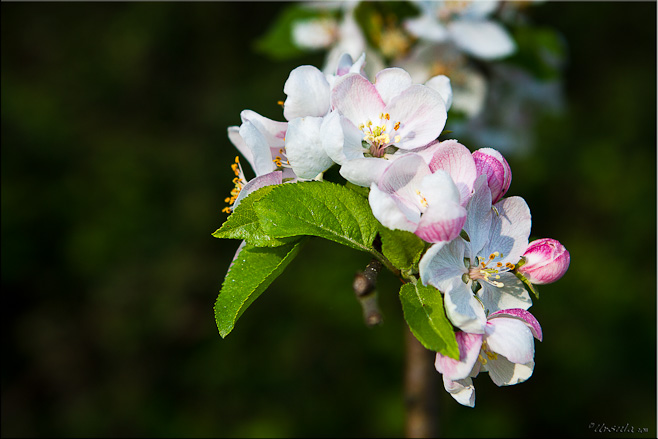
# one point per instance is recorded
(421, 199)
(489, 270)
(238, 181)
(375, 136)
(488, 352)
(281, 160)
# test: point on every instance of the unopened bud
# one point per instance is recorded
(546, 260)
(491, 163)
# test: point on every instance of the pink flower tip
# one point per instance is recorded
(491, 163)
(546, 260)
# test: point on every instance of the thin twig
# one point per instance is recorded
(364, 285)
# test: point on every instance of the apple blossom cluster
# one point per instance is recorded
(384, 136)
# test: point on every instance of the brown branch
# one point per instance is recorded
(364, 286)
(420, 383)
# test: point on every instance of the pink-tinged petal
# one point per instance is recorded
(524, 316)
(491, 163)
(308, 93)
(365, 171)
(505, 373)
(391, 82)
(478, 220)
(483, 39)
(469, 349)
(260, 149)
(422, 115)
(390, 213)
(511, 338)
(510, 228)
(341, 140)
(442, 263)
(463, 309)
(546, 261)
(512, 293)
(237, 140)
(275, 177)
(403, 179)
(356, 98)
(441, 222)
(454, 158)
(463, 391)
(304, 147)
(345, 63)
(273, 131)
(441, 83)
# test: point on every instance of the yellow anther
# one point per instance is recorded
(482, 359)
(510, 265)
(499, 264)
(492, 355)
(280, 103)
(369, 124)
(387, 116)
(397, 126)
(361, 127)
(397, 139)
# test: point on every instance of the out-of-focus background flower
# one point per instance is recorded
(115, 166)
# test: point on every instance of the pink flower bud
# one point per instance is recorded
(546, 260)
(491, 163)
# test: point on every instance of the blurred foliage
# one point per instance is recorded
(115, 164)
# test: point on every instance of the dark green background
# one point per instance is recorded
(115, 165)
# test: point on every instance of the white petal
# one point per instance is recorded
(510, 229)
(391, 82)
(463, 391)
(505, 373)
(511, 338)
(442, 263)
(341, 140)
(388, 212)
(512, 295)
(260, 150)
(237, 140)
(365, 171)
(308, 93)
(304, 147)
(478, 220)
(482, 38)
(463, 309)
(441, 83)
(274, 131)
(426, 27)
(314, 33)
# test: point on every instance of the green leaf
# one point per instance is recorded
(243, 223)
(363, 191)
(277, 41)
(318, 208)
(402, 248)
(251, 273)
(425, 315)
